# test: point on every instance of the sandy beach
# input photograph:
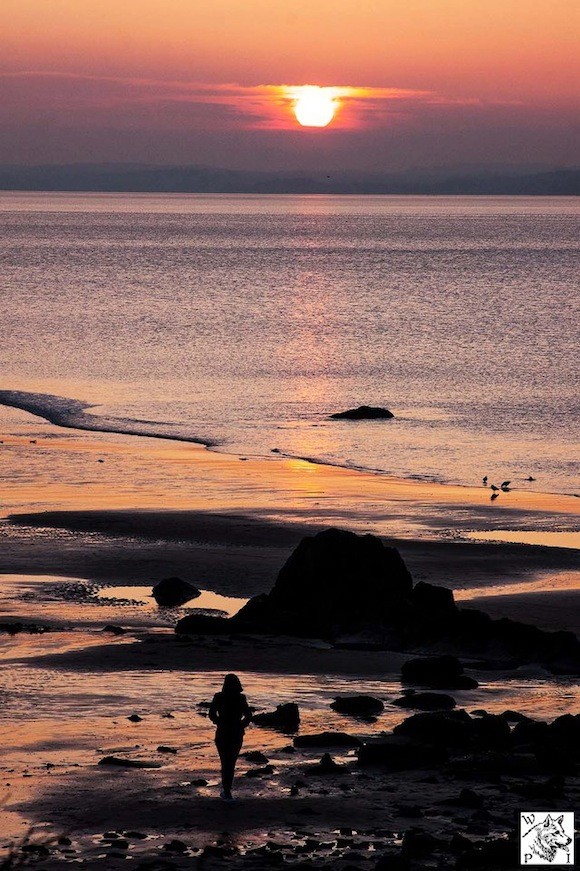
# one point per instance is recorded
(79, 535)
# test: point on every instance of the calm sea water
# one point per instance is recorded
(247, 320)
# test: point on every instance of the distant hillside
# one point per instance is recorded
(192, 179)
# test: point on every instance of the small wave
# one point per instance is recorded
(74, 414)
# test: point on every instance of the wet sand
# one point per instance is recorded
(227, 525)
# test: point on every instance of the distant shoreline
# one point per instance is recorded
(119, 178)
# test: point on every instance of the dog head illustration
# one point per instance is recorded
(550, 837)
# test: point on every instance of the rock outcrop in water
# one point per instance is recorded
(172, 592)
(286, 718)
(354, 591)
(363, 412)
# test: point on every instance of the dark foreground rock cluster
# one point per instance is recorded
(354, 591)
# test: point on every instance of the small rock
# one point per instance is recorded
(127, 763)
(256, 757)
(363, 412)
(358, 706)
(164, 749)
(114, 630)
(327, 765)
(260, 772)
(172, 592)
(175, 846)
(286, 718)
(135, 718)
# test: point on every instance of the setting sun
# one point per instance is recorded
(315, 107)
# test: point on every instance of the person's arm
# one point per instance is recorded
(213, 710)
(246, 713)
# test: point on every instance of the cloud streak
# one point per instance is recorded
(207, 106)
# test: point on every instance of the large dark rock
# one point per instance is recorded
(430, 598)
(446, 728)
(492, 731)
(363, 412)
(327, 739)
(286, 718)
(356, 592)
(399, 753)
(172, 592)
(358, 706)
(333, 581)
(437, 672)
(203, 624)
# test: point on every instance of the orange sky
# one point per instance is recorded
(485, 53)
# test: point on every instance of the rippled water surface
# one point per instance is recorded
(247, 320)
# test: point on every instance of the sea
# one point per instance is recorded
(246, 321)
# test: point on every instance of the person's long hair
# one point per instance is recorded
(232, 685)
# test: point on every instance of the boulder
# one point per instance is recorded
(430, 598)
(363, 412)
(358, 706)
(114, 630)
(203, 624)
(514, 716)
(492, 731)
(286, 718)
(327, 765)
(333, 581)
(357, 593)
(256, 757)
(172, 592)
(426, 701)
(398, 753)
(566, 730)
(530, 732)
(263, 771)
(446, 728)
(327, 739)
(437, 672)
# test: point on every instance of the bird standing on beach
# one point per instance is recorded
(484, 479)
(494, 488)
(505, 484)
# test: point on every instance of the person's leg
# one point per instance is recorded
(228, 749)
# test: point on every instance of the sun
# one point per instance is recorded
(314, 106)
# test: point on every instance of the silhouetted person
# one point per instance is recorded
(230, 712)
